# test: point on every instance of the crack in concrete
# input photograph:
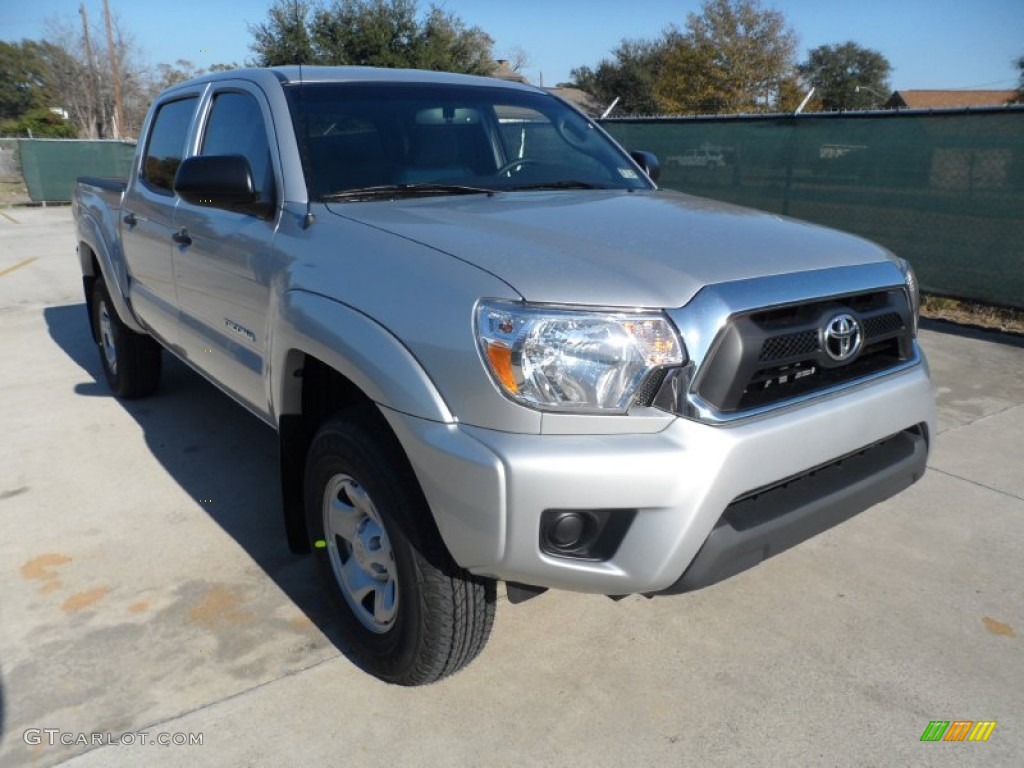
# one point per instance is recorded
(932, 468)
(209, 705)
(979, 419)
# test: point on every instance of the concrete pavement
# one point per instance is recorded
(146, 587)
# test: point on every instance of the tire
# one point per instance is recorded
(408, 614)
(131, 361)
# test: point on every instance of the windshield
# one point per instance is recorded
(444, 139)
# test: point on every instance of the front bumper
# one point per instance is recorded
(771, 520)
(488, 489)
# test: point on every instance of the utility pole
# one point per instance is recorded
(94, 92)
(115, 70)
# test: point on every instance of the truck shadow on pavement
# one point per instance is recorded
(974, 332)
(222, 456)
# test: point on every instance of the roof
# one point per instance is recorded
(316, 74)
(951, 99)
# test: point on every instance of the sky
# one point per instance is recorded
(939, 44)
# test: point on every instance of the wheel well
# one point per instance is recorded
(325, 392)
(319, 391)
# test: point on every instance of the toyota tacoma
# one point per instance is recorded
(492, 349)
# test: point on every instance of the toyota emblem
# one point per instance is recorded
(842, 337)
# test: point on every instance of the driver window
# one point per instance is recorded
(236, 127)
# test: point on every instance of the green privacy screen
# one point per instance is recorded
(944, 190)
(50, 166)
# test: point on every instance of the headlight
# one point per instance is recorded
(573, 359)
(913, 289)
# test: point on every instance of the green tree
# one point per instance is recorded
(629, 77)
(39, 122)
(181, 70)
(734, 56)
(445, 44)
(24, 78)
(846, 76)
(284, 37)
(379, 33)
(1019, 64)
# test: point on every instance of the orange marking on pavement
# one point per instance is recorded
(40, 567)
(139, 607)
(24, 263)
(998, 627)
(82, 600)
(220, 608)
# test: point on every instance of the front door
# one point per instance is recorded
(223, 273)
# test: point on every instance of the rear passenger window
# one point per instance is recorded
(167, 144)
(236, 127)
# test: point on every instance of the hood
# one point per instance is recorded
(612, 248)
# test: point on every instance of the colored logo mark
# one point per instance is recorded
(958, 730)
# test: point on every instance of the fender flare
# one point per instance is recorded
(110, 258)
(354, 345)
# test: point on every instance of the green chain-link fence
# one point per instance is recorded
(944, 190)
(50, 166)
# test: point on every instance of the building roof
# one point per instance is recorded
(503, 71)
(580, 99)
(951, 99)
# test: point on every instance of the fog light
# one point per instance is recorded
(584, 534)
(567, 529)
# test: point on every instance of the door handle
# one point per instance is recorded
(181, 237)
(129, 219)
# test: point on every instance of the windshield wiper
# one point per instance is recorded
(567, 184)
(394, 191)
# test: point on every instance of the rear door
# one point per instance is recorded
(147, 215)
(223, 274)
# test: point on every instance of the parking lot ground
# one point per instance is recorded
(145, 587)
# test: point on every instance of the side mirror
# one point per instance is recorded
(220, 181)
(649, 162)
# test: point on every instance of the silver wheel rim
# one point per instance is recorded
(107, 338)
(360, 553)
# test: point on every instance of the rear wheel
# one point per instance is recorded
(131, 361)
(409, 614)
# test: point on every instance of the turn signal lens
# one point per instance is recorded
(500, 358)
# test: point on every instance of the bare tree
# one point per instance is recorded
(69, 73)
(92, 104)
(517, 57)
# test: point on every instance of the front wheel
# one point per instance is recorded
(409, 614)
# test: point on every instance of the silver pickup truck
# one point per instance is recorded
(493, 349)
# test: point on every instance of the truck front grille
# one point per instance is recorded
(769, 356)
(779, 347)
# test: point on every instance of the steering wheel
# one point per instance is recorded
(507, 167)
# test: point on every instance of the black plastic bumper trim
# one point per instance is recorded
(760, 525)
